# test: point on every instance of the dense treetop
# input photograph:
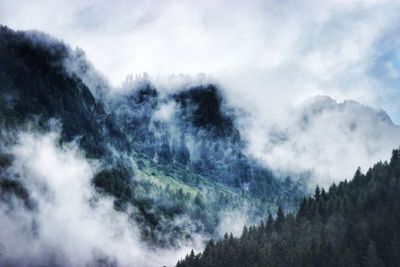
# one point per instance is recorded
(354, 223)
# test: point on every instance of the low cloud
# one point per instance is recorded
(269, 54)
(233, 221)
(165, 112)
(324, 141)
(70, 224)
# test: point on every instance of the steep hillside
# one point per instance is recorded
(193, 128)
(156, 168)
(319, 131)
(355, 223)
(35, 87)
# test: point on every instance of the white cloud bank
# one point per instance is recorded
(270, 53)
(323, 140)
(70, 226)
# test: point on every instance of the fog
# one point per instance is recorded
(70, 225)
(320, 139)
(269, 58)
(270, 53)
(323, 141)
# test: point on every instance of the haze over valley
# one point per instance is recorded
(193, 133)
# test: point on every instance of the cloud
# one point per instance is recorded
(267, 55)
(71, 225)
(233, 221)
(324, 141)
(165, 112)
(271, 53)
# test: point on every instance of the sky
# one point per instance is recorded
(270, 54)
(267, 55)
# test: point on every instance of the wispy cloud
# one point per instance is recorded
(267, 55)
(70, 225)
(278, 51)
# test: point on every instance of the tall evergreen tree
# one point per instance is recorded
(355, 223)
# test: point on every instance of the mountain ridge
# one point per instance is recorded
(144, 163)
(354, 223)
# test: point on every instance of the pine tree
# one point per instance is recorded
(317, 194)
(348, 259)
(270, 224)
(280, 218)
(359, 226)
(372, 259)
(303, 209)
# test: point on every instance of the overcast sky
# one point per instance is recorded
(270, 53)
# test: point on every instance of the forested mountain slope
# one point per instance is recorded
(158, 170)
(35, 87)
(354, 223)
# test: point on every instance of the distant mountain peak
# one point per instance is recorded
(317, 105)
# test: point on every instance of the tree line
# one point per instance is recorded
(354, 223)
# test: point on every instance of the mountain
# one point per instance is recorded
(199, 133)
(317, 106)
(36, 87)
(319, 131)
(141, 170)
(354, 223)
(157, 169)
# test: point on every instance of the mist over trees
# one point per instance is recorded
(172, 164)
(354, 223)
(152, 172)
